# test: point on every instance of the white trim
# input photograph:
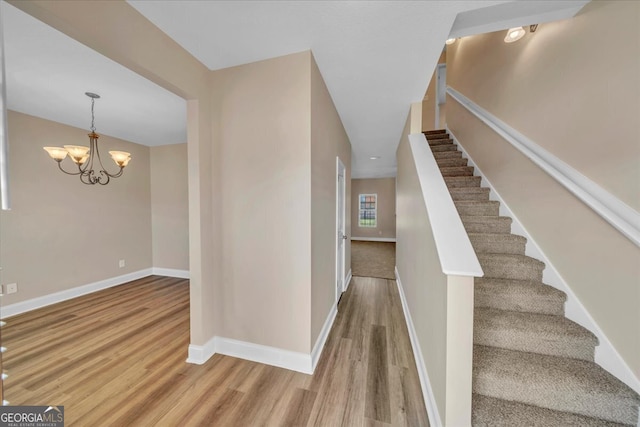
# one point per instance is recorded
(43, 301)
(613, 210)
(292, 360)
(606, 355)
(457, 257)
(374, 239)
(170, 272)
(286, 359)
(199, 354)
(425, 383)
(322, 338)
(341, 228)
(295, 361)
(347, 281)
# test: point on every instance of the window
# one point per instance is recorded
(368, 210)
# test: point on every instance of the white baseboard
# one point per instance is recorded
(374, 239)
(43, 301)
(606, 355)
(199, 354)
(286, 359)
(170, 272)
(347, 281)
(322, 338)
(425, 384)
(292, 360)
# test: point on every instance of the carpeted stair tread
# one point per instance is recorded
(497, 243)
(511, 266)
(491, 412)
(518, 295)
(557, 383)
(447, 155)
(477, 208)
(462, 181)
(486, 224)
(533, 332)
(443, 163)
(444, 147)
(457, 171)
(480, 194)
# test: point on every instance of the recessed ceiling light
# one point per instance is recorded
(374, 157)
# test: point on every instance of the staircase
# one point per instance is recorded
(531, 365)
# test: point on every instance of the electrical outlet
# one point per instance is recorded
(121, 263)
(12, 288)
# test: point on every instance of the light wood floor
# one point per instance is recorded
(117, 358)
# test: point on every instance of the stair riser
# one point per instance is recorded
(561, 346)
(578, 402)
(518, 302)
(487, 227)
(475, 196)
(511, 270)
(484, 209)
(442, 141)
(448, 147)
(462, 181)
(457, 171)
(493, 247)
(439, 155)
(444, 163)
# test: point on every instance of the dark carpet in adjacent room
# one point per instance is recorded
(373, 259)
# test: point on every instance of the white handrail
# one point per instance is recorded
(617, 213)
(455, 252)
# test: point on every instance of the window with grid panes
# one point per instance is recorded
(368, 210)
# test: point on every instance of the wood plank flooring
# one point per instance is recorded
(117, 357)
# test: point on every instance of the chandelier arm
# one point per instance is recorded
(104, 174)
(68, 173)
(103, 169)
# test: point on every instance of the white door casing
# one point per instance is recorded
(340, 227)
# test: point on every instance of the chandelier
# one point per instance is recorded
(88, 157)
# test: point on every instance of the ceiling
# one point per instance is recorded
(376, 57)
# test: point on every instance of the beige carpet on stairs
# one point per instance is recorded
(531, 365)
(373, 259)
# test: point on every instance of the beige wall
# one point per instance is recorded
(429, 102)
(328, 141)
(266, 204)
(385, 188)
(424, 284)
(170, 207)
(574, 90)
(61, 233)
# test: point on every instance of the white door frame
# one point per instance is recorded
(340, 227)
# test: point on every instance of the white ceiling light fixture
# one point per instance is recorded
(84, 157)
(450, 41)
(514, 34)
(374, 157)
